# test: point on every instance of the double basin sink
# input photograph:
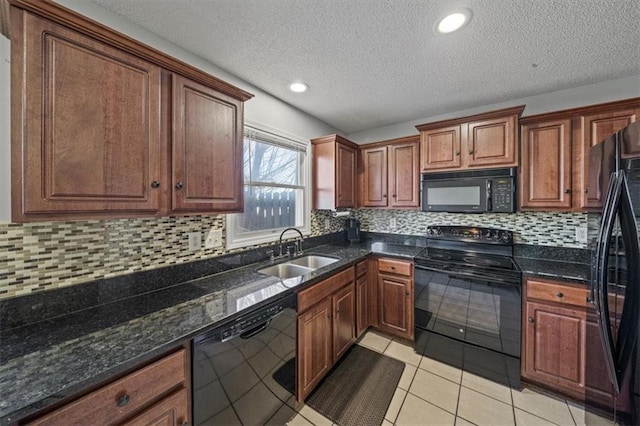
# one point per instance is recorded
(297, 267)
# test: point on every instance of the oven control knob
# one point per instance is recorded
(504, 236)
(487, 235)
(438, 231)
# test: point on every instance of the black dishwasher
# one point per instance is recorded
(234, 366)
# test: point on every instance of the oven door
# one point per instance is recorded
(482, 311)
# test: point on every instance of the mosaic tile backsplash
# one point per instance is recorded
(48, 255)
(537, 228)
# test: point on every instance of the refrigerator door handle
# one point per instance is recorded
(601, 243)
(602, 302)
(630, 318)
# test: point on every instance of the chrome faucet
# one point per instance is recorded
(297, 247)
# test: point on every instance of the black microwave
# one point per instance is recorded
(474, 191)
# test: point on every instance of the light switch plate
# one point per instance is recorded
(327, 224)
(392, 223)
(195, 241)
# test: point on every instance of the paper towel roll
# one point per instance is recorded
(341, 214)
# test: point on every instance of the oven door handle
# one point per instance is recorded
(446, 271)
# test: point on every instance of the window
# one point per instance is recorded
(276, 190)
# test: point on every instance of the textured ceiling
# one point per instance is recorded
(371, 63)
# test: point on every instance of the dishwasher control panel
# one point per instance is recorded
(256, 320)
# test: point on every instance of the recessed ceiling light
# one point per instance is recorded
(453, 21)
(298, 87)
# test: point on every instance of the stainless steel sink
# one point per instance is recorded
(285, 270)
(312, 261)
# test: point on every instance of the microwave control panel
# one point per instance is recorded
(502, 195)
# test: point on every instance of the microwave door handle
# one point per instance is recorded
(489, 206)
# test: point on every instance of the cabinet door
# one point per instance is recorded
(171, 411)
(314, 347)
(207, 149)
(545, 180)
(395, 301)
(404, 175)
(440, 148)
(88, 138)
(344, 320)
(374, 179)
(554, 345)
(362, 304)
(596, 128)
(345, 176)
(492, 142)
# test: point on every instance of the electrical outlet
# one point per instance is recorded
(581, 234)
(195, 241)
(214, 239)
(327, 224)
(392, 223)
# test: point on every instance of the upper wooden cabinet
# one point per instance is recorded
(207, 149)
(86, 124)
(555, 167)
(478, 141)
(334, 172)
(390, 174)
(90, 137)
(545, 172)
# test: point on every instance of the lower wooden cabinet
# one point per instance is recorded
(395, 297)
(326, 328)
(314, 347)
(560, 337)
(153, 395)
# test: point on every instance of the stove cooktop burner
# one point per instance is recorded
(468, 259)
(439, 256)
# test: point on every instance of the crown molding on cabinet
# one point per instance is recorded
(61, 15)
(471, 118)
(4, 18)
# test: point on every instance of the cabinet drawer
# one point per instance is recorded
(398, 267)
(361, 268)
(556, 292)
(324, 289)
(137, 389)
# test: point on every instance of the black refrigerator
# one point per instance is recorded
(612, 356)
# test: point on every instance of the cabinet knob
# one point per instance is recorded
(179, 185)
(470, 151)
(567, 191)
(586, 191)
(457, 152)
(394, 195)
(407, 293)
(559, 294)
(531, 320)
(384, 195)
(155, 184)
(123, 400)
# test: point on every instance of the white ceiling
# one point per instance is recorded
(370, 63)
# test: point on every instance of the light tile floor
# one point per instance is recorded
(433, 393)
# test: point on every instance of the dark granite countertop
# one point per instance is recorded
(567, 271)
(50, 360)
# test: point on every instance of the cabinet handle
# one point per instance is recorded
(123, 400)
(155, 184)
(559, 294)
(531, 320)
(470, 151)
(457, 152)
(179, 185)
(407, 293)
(394, 195)
(567, 191)
(384, 195)
(393, 268)
(586, 191)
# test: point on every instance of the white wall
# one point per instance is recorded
(607, 91)
(5, 130)
(263, 108)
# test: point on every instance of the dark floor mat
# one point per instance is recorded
(357, 391)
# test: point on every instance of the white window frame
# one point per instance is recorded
(235, 240)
